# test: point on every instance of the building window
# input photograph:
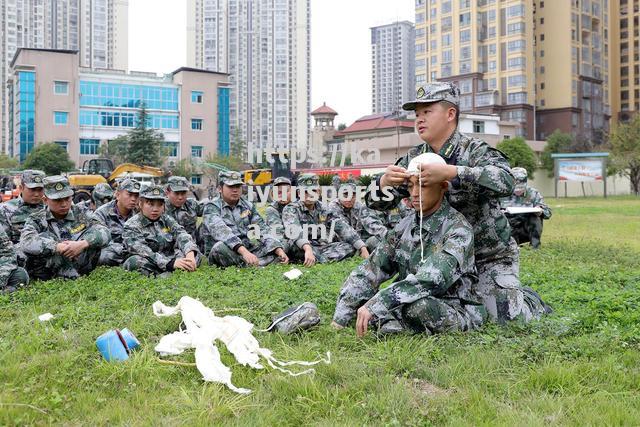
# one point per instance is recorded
(60, 118)
(61, 88)
(465, 19)
(196, 151)
(196, 179)
(172, 148)
(196, 97)
(478, 126)
(196, 124)
(63, 144)
(465, 36)
(89, 146)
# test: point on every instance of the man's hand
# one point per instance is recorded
(184, 264)
(284, 259)
(309, 257)
(364, 252)
(248, 257)
(362, 322)
(394, 176)
(436, 173)
(63, 248)
(71, 249)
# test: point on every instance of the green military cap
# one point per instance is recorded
(308, 180)
(282, 180)
(435, 92)
(178, 183)
(32, 178)
(520, 174)
(131, 185)
(152, 192)
(102, 193)
(230, 178)
(57, 187)
(351, 186)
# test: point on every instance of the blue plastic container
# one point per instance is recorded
(112, 346)
(130, 340)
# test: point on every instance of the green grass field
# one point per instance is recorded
(579, 366)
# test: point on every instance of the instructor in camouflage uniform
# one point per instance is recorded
(526, 227)
(61, 240)
(362, 219)
(310, 228)
(114, 215)
(234, 232)
(479, 177)
(434, 288)
(179, 207)
(156, 243)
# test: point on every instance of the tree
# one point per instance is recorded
(519, 154)
(142, 145)
(184, 168)
(342, 126)
(7, 162)
(557, 142)
(624, 143)
(50, 158)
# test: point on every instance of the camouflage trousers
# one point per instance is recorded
(331, 252)
(16, 279)
(499, 286)
(223, 256)
(48, 267)
(112, 255)
(526, 228)
(416, 314)
(149, 267)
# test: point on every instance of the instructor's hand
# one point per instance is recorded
(434, 173)
(393, 176)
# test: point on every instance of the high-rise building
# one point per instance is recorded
(521, 59)
(81, 108)
(392, 66)
(264, 45)
(625, 57)
(98, 29)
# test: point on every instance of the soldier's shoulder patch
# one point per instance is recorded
(78, 228)
(166, 229)
(245, 213)
(323, 218)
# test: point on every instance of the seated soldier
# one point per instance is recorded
(14, 213)
(114, 215)
(155, 242)
(229, 223)
(102, 193)
(62, 240)
(363, 220)
(179, 207)
(525, 227)
(281, 193)
(310, 229)
(12, 277)
(431, 252)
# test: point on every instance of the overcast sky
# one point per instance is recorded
(340, 45)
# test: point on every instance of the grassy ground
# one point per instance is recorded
(579, 366)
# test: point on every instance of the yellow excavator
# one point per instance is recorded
(95, 171)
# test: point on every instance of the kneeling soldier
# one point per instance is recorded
(155, 242)
(228, 224)
(62, 240)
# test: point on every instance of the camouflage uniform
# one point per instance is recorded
(483, 177)
(434, 295)
(14, 213)
(108, 215)
(362, 219)
(154, 246)
(42, 232)
(335, 181)
(187, 215)
(301, 223)
(11, 276)
(226, 228)
(526, 227)
(392, 217)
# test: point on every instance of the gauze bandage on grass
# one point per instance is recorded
(414, 169)
(203, 328)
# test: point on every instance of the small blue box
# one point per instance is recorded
(116, 345)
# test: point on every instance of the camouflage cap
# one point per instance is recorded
(520, 174)
(57, 187)
(32, 178)
(435, 92)
(152, 192)
(178, 183)
(102, 193)
(282, 180)
(230, 178)
(300, 317)
(308, 180)
(130, 185)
